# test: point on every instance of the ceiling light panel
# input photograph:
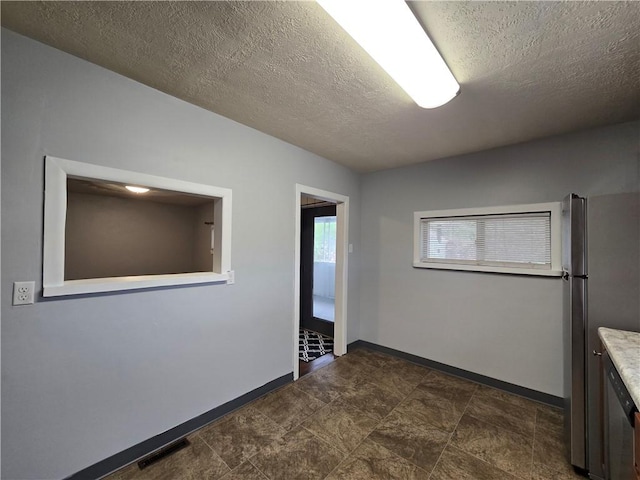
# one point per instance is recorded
(390, 33)
(136, 189)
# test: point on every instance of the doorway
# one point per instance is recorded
(320, 267)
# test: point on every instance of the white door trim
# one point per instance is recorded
(342, 246)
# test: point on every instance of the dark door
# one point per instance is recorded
(317, 246)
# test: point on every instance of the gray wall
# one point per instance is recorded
(84, 378)
(503, 326)
(114, 237)
(613, 289)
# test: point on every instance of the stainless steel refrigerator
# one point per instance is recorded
(601, 281)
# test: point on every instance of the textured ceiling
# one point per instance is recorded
(526, 69)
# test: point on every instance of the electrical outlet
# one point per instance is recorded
(231, 277)
(23, 293)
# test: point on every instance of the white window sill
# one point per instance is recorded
(116, 284)
(485, 268)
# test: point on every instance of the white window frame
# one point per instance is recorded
(554, 208)
(55, 211)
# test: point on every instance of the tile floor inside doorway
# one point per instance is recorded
(371, 416)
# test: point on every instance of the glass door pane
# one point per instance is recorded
(324, 267)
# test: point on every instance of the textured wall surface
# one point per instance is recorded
(86, 377)
(526, 69)
(503, 326)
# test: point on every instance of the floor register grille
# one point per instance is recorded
(163, 453)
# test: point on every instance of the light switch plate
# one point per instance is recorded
(231, 277)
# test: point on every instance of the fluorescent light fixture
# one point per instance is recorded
(136, 189)
(390, 33)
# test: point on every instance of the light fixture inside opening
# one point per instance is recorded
(135, 189)
(390, 33)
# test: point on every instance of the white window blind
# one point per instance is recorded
(497, 239)
(522, 240)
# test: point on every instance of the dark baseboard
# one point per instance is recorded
(142, 449)
(458, 372)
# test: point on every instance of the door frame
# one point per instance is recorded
(342, 248)
(308, 318)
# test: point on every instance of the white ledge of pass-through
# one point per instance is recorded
(116, 284)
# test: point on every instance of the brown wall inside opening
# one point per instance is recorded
(106, 236)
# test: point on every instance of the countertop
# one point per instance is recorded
(624, 350)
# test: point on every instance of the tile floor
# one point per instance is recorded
(372, 416)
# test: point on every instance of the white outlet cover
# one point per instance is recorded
(23, 293)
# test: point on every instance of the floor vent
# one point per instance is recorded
(165, 452)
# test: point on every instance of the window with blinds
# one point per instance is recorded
(516, 239)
